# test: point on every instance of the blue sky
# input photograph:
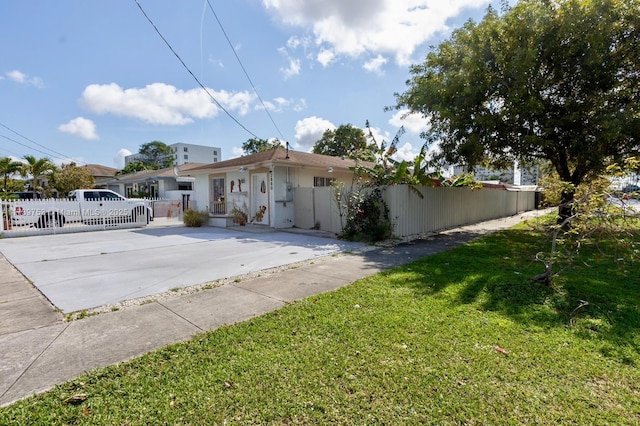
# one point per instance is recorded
(90, 81)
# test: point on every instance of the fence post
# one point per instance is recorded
(5, 213)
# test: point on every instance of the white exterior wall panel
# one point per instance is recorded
(304, 208)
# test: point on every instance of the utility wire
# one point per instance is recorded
(34, 149)
(10, 152)
(58, 154)
(191, 73)
(244, 70)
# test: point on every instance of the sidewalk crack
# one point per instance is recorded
(28, 367)
(180, 316)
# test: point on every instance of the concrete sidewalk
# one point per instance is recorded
(38, 349)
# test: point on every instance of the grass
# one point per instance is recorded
(425, 343)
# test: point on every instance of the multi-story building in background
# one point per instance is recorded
(184, 153)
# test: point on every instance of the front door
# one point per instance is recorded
(259, 199)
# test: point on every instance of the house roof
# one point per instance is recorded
(280, 156)
(98, 170)
(166, 173)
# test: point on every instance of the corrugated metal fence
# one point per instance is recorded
(437, 210)
(444, 208)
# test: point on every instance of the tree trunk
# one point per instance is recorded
(565, 209)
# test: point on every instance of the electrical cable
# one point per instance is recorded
(27, 146)
(244, 70)
(58, 154)
(191, 73)
(10, 152)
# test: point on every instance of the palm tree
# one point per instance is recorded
(8, 168)
(36, 168)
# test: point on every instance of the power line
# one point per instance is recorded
(15, 154)
(244, 70)
(27, 146)
(191, 73)
(58, 154)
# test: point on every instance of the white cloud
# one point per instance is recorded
(301, 104)
(17, 76)
(325, 57)
(280, 104)
(378, 135)
(163, 104)
(81, 127)
(392, 27)
(405, 152)
(236, 151)
(294, 65)
(239, 102)
(22, 78)
(295, 42)
(282, 101)
(118, 160)
(375, 64)
(309, 130)
(414, 122)
(217, 62)
(276, 105)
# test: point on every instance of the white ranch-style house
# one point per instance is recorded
(267, 186)
(283, 188)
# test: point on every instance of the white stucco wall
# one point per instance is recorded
(200, 197)
(283, 181)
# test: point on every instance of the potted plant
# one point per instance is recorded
(259, 214)
(239, 217)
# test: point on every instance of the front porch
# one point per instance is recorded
(219, 215)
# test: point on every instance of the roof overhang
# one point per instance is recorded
(185, 179)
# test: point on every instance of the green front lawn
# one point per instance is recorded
(462, 337)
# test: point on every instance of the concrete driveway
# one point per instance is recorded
(87, 270)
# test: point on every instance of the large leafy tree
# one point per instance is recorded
(156, 155)
(71, 177)
(255, 145)
(555, 80)
(135, 166)
(37, 168)
(8, 168)
(345, 141)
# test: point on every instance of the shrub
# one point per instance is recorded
(193, 218)
(368, 219)
(240, 217)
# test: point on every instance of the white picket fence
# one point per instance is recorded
(66, 217)
(413, 216)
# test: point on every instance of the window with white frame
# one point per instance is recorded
(319, 181)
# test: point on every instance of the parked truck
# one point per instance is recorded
(86, 206)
